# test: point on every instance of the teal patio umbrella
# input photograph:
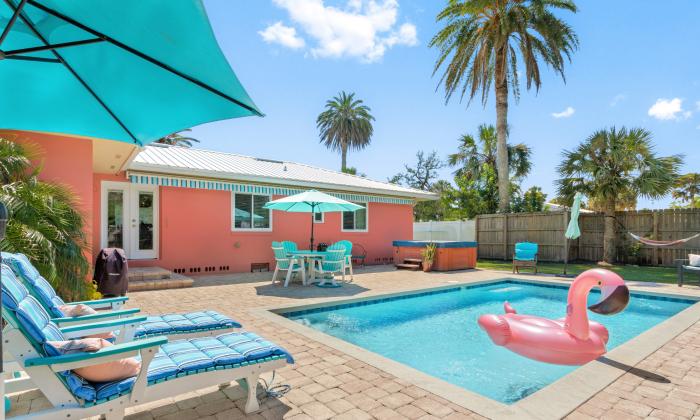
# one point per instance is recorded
(128, 70)
(572, 231)
(311, 201)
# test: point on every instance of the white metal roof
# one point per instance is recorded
(174, 160)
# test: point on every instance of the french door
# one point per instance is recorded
(130, 219)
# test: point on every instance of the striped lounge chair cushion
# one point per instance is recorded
(183, 357)
(41, 288)
(184, 323)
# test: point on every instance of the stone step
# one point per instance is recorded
(413, 267)
(148, 273)
(174, 281)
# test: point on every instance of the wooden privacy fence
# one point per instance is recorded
(497, 234)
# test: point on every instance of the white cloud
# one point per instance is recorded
(363, 29)
(283, 35)
(617, 99)
(569, 111)
(669, 109)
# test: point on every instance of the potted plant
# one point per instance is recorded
(429, 256)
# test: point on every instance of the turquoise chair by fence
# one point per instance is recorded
(525, 255)
(185, 325)
(333, 262)
(348, 256)
(168, 369)
(284, 262)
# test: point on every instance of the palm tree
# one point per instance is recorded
(44, 222)
(613, 166)
(177, 139)
(687, 189)
(346, 123)
(481, 45)
(475, 156)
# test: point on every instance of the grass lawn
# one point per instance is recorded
(628, 272)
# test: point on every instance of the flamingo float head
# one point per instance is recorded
(615, 296)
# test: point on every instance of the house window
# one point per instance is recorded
(355, 220)
(249, 214)
(318, 218)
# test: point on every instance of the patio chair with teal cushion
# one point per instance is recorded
(525, 255)
(283, 261)
(348, 256)
(332, 262)
(186, 325)
(168, 369)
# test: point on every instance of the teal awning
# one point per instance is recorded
(127, 70)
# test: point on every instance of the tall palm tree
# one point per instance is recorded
(44, 223)
(614, 165)
(177, 139)
(346, 123)
(482, 44)
(477, 154)
(687, 188)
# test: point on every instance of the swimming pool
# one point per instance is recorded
(436, 332)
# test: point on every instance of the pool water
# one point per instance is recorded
(437, 332)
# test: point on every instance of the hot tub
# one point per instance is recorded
(450, 255)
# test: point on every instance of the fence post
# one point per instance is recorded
(655, 250)
(505, 236)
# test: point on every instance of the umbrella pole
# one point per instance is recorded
(313, 215)
(566, 254)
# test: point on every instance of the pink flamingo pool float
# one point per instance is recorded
(573, 340)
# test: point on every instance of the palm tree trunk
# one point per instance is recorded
(610, 232)
(344, 156)
(502, 132)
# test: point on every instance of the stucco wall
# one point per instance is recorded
(195, 231)
(64, 160)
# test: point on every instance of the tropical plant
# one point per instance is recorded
(177, 139)
(351, 170)
(45, 223)
(345, 124)
(531, 201)
(482, 44)
(614, 164)
(476, 155)
(428, 253)
(687, 189)
(424, 176)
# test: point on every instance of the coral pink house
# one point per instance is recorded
(196, 211)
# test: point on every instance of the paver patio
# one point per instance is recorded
(327, 383)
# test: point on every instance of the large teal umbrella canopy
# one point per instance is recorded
(311, 201)
(127, 70)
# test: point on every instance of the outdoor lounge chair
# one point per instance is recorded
(525, 255)
(683, 267)
(187, 325)
(167, 368)
(284, 262)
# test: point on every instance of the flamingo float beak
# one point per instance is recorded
(615, 298)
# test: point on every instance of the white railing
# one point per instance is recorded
(459, 230)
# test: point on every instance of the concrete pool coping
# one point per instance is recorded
(556, 400)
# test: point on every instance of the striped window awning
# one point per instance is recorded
(237, 187)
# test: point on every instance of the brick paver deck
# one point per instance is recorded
(326, 383)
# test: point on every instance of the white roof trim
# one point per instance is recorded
(231, 167)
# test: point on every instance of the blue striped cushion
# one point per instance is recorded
(187, 356)
(39, 286)
(182, 323)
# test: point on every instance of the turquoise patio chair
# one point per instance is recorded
(348, 256)
(186, 325)
(525, 255)
(167, 368)
(283, 261)
(332, 262)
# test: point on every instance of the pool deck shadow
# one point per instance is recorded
(641, 373)
(305, 292)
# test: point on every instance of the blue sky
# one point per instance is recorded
(637, 66)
